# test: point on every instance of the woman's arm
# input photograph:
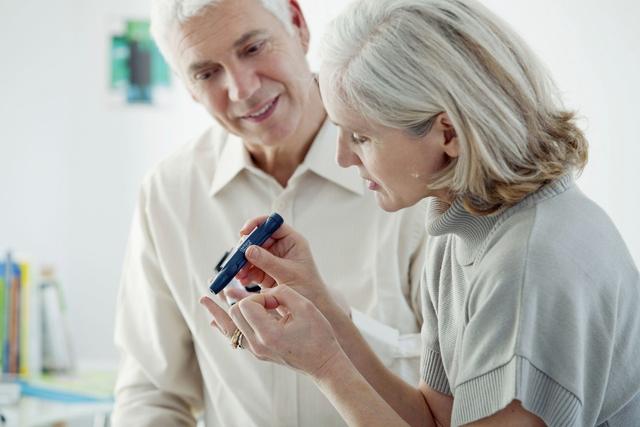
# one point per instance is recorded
(405, 399)
(286, 260)
(303, 339)
(356, 400)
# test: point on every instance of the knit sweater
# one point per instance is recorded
(538, 303)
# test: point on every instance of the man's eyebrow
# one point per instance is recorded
(242, 40)
(200, 65)
(248, 36)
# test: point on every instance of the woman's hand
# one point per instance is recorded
(299, 337)
(284, 259)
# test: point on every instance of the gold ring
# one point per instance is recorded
(240, 339)
(236, 338)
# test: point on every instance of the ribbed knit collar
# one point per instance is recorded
(472, 231)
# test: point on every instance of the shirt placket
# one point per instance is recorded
(285, 384)
(284, 206)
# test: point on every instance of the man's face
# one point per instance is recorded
(242, 65)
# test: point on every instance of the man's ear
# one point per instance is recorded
(450, 142)
(299, 24)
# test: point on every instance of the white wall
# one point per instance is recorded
(70, 164)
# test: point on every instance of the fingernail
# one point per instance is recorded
(252, 252)
(223, 330)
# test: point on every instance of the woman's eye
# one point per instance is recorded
(358, 139)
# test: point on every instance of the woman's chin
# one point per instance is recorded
(387, 204)
(393, 204)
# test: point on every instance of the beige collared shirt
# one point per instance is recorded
(190, 210)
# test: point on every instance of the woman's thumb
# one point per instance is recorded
(266, 261)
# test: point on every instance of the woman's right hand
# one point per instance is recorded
(299, 337)
(284, 259)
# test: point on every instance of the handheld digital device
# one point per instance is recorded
(232, 263)
(250, 288)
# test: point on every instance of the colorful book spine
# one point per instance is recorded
(7, 315)
(14, 317)
(25, 316)
(4, 312)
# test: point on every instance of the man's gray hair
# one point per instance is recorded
(400, 63)
(168, 15)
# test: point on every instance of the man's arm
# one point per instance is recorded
(159, 381)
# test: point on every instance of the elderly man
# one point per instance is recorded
(271, 150)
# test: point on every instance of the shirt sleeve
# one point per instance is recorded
(432, 370)
(159, 381)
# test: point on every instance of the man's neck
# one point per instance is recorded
(282, 160)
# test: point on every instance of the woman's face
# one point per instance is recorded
(397, 166)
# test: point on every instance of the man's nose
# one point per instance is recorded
(242, 83)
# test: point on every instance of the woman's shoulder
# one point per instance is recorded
(568, 231)
(562, 242)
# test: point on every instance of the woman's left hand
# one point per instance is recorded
(299, 336)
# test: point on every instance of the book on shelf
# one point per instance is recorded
(36, 351)
(34, 331)
(10, 308)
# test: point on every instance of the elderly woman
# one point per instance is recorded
(530, 297)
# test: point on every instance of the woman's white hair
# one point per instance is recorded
(400, 63)
(168, 15)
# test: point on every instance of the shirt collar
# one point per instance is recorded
(233, 159)
(320, 160)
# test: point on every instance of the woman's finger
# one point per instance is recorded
(236, 293)
(257, 312)
(282, 231)
(283, 299)
(251, 224)
(249, 340)
(220, 316)
(248, 266)
(275, 269)
(255, 275)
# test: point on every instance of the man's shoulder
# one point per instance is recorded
(198, 156)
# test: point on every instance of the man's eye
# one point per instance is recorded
(254, 48)
(358, 139)
(206, 75)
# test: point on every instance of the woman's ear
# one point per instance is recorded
(450, 142)
(300, 24)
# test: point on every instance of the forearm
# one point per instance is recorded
(351, 394)
(406, 400)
